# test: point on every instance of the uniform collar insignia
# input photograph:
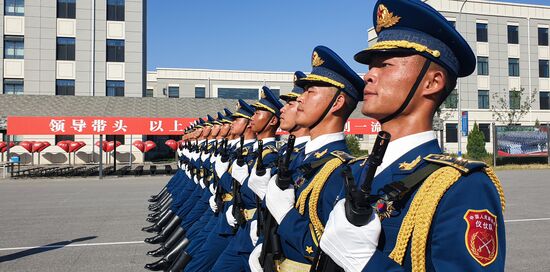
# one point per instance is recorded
(406, 166)
(318, 155)
(316, 60)
(309, 249)
(385, 18)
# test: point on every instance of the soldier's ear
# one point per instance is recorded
(434, 81)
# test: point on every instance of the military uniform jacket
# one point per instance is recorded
(298, 234)
(467, 228)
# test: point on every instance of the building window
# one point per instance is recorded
(486, 129)
(481, 31)
(543, 36)
(544, 98)
(514, 99)
(115, 10)
(483, 66)
(115, 50)
(452, 100)
(513, 37)
(14, 7)
(65, 48)
(238, 93)
(451, 132)
(13, 86)
(14, 47)
(115, 88)
(513, 67)
(174, 92)
(119, 138)
(149, 93)
(200, 92)
(483, 99)
(543, 69)
(66, 9)
(64, 87)
(59, 138)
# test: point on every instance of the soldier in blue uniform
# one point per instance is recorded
(206, 253)
(331, 93)
(264, 124)
(434, 212)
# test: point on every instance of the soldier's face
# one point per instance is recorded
(288, 115)
(225, 129)
(312, 103)
(238, 126)
(215, 130)
(388, 83)
(259, 120)
(206, 131)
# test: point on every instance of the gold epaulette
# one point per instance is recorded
(462, 165)
(313, 192)
(245, 151)
(343, 156)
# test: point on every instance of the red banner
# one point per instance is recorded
(75, 125)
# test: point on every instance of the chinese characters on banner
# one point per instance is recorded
(27, 125)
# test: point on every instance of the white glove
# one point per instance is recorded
(229, 217)
(196, 180)
(239, 173)
(213, 158)
(212, 188)
(254, 232)
(220, 167)
(254, 259)
(349, 246)
(279, 202)
(212, 202)
(180, 153)
(258, 184)
(201, 183)
(187, 173)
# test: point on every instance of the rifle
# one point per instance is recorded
(271, 247)
(260, 171)
(219, 190)
(358, 202)
(238, 206)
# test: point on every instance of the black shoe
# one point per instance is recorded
(159, 252)
(159, 265)
(156, 239)
(156, 209)
(155, 214)
(152, 219)
(152, 228)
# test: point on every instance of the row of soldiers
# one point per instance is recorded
(240, 202)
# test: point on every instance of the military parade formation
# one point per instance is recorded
(242, 200)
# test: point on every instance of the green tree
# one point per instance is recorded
(353, 146)
(476, 144)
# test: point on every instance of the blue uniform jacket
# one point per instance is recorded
(446, 246)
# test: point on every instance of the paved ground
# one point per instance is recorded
(92, 225)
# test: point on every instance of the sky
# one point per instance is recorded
(256, 35)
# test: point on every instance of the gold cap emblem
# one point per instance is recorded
(295, 78)
(385, 18)
(238, 106)
(262, 94)
(316, 60)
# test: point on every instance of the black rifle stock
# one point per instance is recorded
(271, 248)
(238, 206)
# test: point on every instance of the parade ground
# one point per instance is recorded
(86, 224)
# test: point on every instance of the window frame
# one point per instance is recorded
(171, 89)
(65, 51)
(17, 5)
(485, 127)
(199, 90)
(485, 102)
(544, 97)
(544, 68)
(115, 10)
(66, 9)
(482, 34)
(449, 137)
(13, 82)
(117, 87)
(18, 43)
(513, 67)
(482, 66)
(542, 39)
(514, 99)
(451, 102)
(226, 93)
(115, 50)
(62, 87)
